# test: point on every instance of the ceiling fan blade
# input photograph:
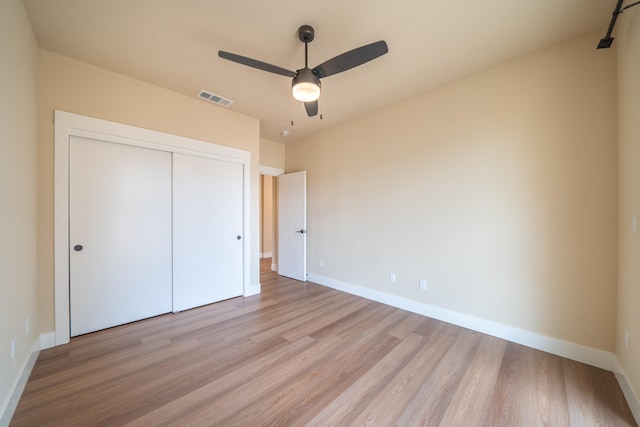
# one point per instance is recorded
(350, 59)
(312, 108)
(256, 64)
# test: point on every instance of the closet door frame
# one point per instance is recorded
(70, 124)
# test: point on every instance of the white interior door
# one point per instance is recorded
(292, 225)
(119, 234)
(207, 231)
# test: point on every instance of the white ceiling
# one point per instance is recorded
(174, 44)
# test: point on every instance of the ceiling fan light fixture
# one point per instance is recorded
(306, 92)
(306, 86)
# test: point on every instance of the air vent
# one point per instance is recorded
(216, 99)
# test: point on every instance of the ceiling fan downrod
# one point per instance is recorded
(306, 35)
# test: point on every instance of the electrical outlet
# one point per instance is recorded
(13, 348)
(321, 263)
(392, 277)
(626, 340)
(423, 284)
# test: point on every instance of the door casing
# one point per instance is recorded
(67, 125)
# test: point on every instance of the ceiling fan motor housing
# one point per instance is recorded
(305, 85)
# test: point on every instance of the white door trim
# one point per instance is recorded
(69, 124)
(271, 171)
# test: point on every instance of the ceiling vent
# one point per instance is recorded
(216, 99)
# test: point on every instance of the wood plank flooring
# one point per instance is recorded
(302, 354)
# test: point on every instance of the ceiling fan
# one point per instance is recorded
(306, 81)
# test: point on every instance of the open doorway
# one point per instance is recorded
(268, 221)
(268, 252)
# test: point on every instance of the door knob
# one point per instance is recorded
(77, 248)
(238, 237)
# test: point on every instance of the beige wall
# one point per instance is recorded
(18, 192)
(271, 153)
(628, 45)
(73, 86)
(498, 189)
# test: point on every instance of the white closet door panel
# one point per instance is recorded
(120, 212)
(207, 230)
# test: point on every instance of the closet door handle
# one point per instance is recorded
(78, 248)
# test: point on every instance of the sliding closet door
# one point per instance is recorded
(207, 230)
(119, 234)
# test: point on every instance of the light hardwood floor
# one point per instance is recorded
(302, 354)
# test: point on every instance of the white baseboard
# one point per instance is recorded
(591, 356)
(47, 340)
(266, 255)
(274, 267)
(253, 290)
(15, 391)
(632, 398)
